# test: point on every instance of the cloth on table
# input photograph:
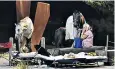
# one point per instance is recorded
(6, 45)
(60, 57)
(25, 55)
(50, 57)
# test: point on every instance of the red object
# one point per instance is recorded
(6, 45)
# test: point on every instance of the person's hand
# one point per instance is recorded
(83, 31)
(83, 36)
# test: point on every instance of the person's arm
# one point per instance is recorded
(84, 33)
(83, 36)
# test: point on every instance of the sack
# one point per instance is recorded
(78, 43)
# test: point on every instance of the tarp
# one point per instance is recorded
(62, 51)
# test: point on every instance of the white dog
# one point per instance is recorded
(23, 30)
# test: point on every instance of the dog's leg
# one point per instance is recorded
(28, 44)
(23, 45)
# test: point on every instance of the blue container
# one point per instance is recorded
(78, 43)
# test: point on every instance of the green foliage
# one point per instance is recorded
(4, 55)
(106, 7)
(21, 65)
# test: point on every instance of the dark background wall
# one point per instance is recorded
(7, 20)
(60, 11)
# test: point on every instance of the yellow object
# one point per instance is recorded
(91, 54)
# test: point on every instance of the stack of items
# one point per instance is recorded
(90, 55)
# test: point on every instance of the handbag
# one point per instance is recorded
(78, 43)
(78, 40)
